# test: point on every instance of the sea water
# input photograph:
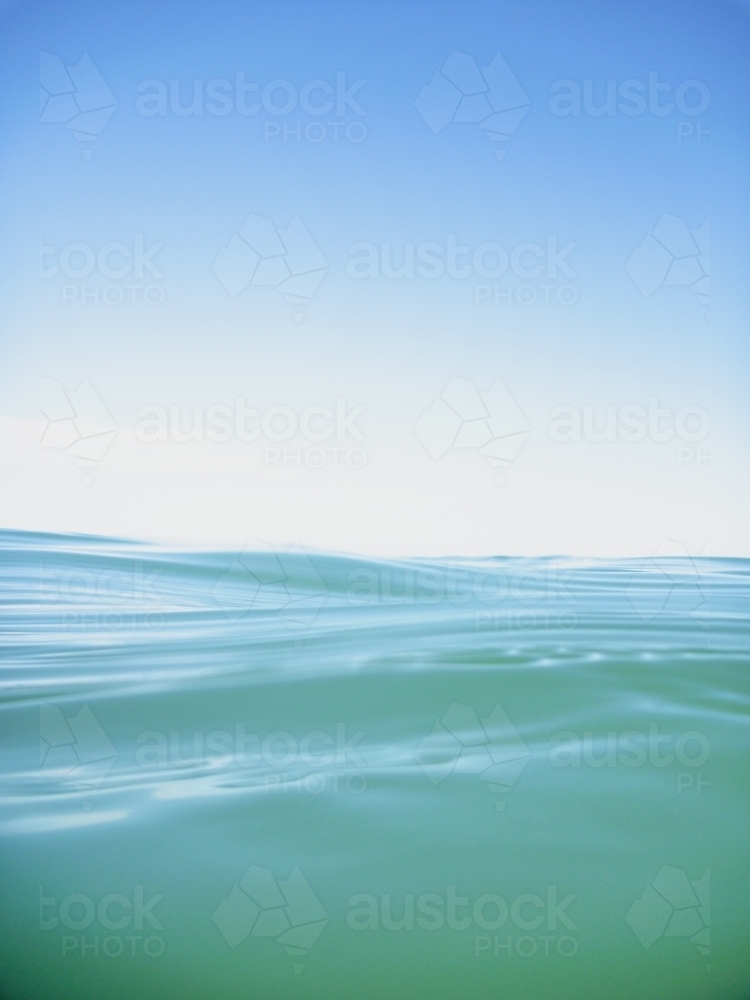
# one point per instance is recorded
(282, 773)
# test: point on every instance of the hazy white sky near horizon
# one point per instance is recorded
(571, 201)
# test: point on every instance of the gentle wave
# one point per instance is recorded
(454, 729)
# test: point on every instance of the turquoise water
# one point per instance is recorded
(289, 774)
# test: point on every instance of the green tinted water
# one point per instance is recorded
(294, 775)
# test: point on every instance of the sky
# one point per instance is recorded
(442, 271)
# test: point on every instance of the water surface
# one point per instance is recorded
(291, 774)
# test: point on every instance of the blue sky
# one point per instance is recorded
(189, 182)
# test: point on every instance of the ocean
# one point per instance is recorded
(292, 774)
